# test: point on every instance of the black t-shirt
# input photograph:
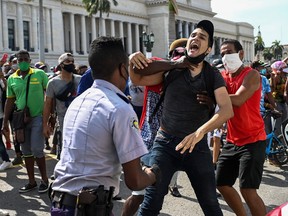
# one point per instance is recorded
(182, 113)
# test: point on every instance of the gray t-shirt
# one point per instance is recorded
(54, 86)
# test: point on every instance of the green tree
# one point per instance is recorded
(259, 44)
(267, 54)
(277, 49)
(101, 6)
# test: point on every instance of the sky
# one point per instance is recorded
(270, 15)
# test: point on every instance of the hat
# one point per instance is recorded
(278, 65)
(256, 64)
(217, 63)
(209, 28)
(39, 65)
(64, 57)
(181, 42)
(11, 58)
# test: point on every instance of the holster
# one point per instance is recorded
(95, 202)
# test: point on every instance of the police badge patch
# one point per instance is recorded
(134, 123)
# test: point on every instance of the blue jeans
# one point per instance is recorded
(34, 139)
(3, 152)
(198, 167)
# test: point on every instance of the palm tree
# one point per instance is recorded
(103, 6)
(267, 54)
(277, 49)
(259, 44)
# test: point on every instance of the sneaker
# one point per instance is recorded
(273, 162)
(8, 145)
(3, 213)
(43, 187)
(5, 165)
(28, 187)
(17, 160)
(53, 151)
(48, 147)
(175, 192)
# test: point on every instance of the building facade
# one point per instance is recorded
(68, 28)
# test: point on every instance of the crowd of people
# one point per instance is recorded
(147, 117)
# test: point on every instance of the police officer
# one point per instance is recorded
(100, 133)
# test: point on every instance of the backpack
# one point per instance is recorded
(209, 78)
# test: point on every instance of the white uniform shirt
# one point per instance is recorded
(100, 133)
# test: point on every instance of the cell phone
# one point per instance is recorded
(4, 57)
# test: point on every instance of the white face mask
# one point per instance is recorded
(232, 62)
(15, 67)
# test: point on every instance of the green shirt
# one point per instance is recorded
(16, 88)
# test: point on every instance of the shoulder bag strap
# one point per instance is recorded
(27, 88)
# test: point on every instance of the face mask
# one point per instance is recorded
(232, 62)
(263, 71)
(197, 59)
(24, 66)
(69, 68)
(15, 67)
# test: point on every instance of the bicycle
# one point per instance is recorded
(276, 148)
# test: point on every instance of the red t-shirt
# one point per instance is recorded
(247, 125)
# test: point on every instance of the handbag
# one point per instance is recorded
(21, 118)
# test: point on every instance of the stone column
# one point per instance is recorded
(48, 31)
(5, 26)
(34, 38)
(186, 30)
(137, 37)
(93, 27)
(83, 35)
(129, 39)
(179, 29)
(72, 33)
(19, 28)
(102, 26)
(112, 28)
(121, 32)
(1, 27)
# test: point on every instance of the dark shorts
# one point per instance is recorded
(245, 162)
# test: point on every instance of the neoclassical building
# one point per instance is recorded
(68, 28)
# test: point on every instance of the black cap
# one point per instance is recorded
(256, 64)
(209, 28)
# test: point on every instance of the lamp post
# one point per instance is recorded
(148, 41)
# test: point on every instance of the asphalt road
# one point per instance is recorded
(274, 191)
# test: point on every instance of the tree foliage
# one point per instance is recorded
(277, 49)
(259, 44)
(101, 6)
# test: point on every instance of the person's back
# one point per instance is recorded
(100, 134)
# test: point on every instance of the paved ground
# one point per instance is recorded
(274, 191)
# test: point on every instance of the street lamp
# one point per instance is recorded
(148, 41)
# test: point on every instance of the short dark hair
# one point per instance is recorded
(236, 44)
(105, 55)
(22, 52)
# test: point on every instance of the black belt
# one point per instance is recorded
(63, 198)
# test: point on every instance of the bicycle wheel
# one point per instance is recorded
(284, 130)
(280, 153)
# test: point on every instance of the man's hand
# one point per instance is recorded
(203, 98)
(139, 60)
(189, 142)
(5, 128)
(47, 130)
